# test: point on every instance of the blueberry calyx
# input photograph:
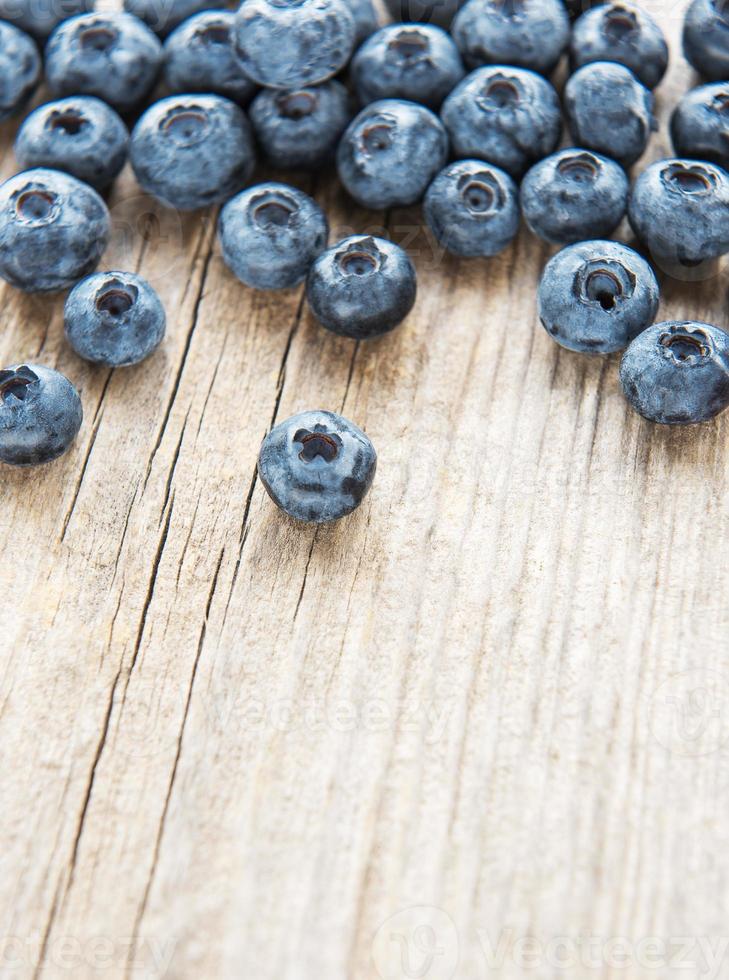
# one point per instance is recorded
(16, 384)
(318, 443)
(297, 105)
(378, 136)
(214, 34)
(619, 24)
(481, 194)
(186, 125)
(98, 37)
(361, 258)
(36, 205)
(580, 167)
(116, 298)
(682, 179)
(606, 283)
(71, 121)
(272, 210)
(501, 93)
(685, 347)
(409, 46)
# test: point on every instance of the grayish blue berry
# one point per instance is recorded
(680, 211)
(623, 33)
(473, 209)
(420, 63)
(508, 116)
(677, 373)
(190, 151)
(574, 195)
(290, 43)
(390, 153)
(365, 19)
(706, 38)
(113, 56)
(700, 124)
(610, 111)
(526, 33)
(53, 230)
(199, 57)
(20, 69)
(362, 288)
(271, 234)
(114, 318)
(596, 297)
(40, 415)
(317, 466)
(39, 18)
(301, 128)
(82, 136)
(440, 12)
(163, 16)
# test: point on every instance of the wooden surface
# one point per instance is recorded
(492, 705)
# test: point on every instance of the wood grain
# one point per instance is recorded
(492, 705)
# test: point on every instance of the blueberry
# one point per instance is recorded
(300, 128)
(680, 211)
(163, 17)
(390, 153)
(610, 111)
(575, 8)
(53, 230)
(706, 38)
(473, 209)
(40, 415)
(508, 116)
(190, 151)
(199, 57)
(573, 196)
(419, 63)
(114, 318)
(440, 12)
(623, 33)
(677, 373)
(271, 234)
(82, 136)
(290, 43)
(700, 124)
(20, 69)
(39, 18)
(365, 19)
(362, 288)
(317, 466)
(596, 297)
(113, 56)
(527, 33)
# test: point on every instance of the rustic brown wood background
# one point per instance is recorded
(492, 705)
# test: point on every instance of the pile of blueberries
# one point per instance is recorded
(464, 121)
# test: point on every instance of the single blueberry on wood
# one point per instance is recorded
(40, 415)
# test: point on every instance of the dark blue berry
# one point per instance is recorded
(610, 111)
(596, 297)
(20, 69)
(420, 63)
(574, 195)
(113, 56)
(677, 373)
(440, 12)
(53, 230)
(362, 288)
(365, 19)
(271, 234)
(40, 415)
(700, 124)
(301, 128)
(706, 38)
(623, 33)
(508, 116)
(114, 318)
(39, 18)
(82, 136)
(680, 211)
(473, 209)
(527, 33)
(390, 153)
(194, 150)
(199, 57)
(290, 43)
(163, 17)
(317, 466)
